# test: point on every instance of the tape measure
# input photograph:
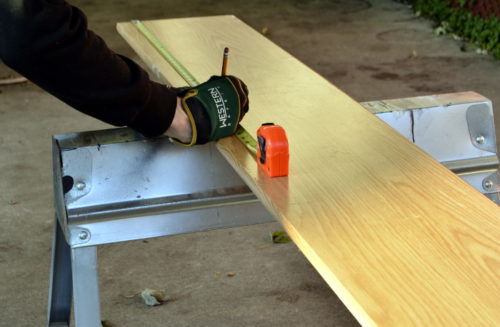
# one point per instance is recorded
(272, 153)
(240, 133)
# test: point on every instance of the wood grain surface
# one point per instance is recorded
(398, 237)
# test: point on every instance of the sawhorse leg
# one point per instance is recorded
(60, 288)
(74, 273)
(86, 287)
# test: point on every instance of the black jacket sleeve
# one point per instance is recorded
(48, 42)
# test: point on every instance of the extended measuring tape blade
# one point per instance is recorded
(246, 139)
(241, 133)
(167, 55)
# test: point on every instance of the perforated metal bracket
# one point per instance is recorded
(481, 127)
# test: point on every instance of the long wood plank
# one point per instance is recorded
(398, 237)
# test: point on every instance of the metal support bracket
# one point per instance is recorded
(79, 236)
(77, 172)
(491, 184)
(481, 127)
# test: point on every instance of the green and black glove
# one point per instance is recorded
(214, 108)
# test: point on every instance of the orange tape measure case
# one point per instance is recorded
(272, 150)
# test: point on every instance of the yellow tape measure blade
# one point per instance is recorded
(167, 55)
(247, 139)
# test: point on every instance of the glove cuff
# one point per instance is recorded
(198, 118)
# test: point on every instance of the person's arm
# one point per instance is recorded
(48, 42)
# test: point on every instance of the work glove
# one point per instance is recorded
(214, 108)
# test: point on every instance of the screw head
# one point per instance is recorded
(80, 186)
(487, 185)
(83, 235)
(480, 139)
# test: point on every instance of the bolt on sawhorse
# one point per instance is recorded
(114, 186)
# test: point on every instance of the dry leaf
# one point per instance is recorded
(154, 297)
(280, 237)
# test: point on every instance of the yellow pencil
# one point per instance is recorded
(224, 61)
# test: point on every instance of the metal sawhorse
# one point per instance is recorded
(114, 186)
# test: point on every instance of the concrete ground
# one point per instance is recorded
(372, 49)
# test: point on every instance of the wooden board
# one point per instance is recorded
(398, 237)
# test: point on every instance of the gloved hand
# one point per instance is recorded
(214, 108)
